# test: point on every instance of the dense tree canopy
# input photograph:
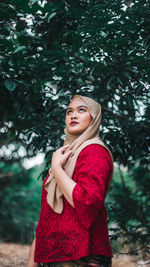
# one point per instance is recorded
(96, 48)
(51, 50)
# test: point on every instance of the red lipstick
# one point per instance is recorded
(74, 123)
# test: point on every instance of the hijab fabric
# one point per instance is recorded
(77, 143)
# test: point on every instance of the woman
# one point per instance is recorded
(72, 228)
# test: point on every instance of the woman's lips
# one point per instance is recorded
(74, 123)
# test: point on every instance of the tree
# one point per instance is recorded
(20, 203)
(51, 50)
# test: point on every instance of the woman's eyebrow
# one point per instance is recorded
(77, 106)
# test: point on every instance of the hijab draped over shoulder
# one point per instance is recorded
(77, 143)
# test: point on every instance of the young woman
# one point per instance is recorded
(72, 228)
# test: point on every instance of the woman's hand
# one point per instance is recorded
(59, 158)
(30, 261)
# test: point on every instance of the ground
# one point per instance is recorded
(15, 255)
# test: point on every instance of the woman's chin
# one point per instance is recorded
(74, 132)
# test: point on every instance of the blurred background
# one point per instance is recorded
(49, 51)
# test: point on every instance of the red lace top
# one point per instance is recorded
(82, 230)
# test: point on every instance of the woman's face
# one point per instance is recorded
(78, 118)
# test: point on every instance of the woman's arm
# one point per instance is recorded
(30, 262)
(93, 172)
(65, 183)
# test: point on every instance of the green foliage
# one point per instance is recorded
(128, 204)
(51, 50)
(92, 48)
(20, 203)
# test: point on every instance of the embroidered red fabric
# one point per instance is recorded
(82, 230)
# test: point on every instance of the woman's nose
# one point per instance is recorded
(74, 114)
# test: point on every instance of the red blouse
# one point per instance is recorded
(82, 230)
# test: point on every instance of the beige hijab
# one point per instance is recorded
(77, 143)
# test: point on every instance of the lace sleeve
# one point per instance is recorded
(93, 172)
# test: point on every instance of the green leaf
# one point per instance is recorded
(119, 81)
(19, 48)
(34, 1)
(127, 74)
(10, 85)
(47, 8)
(108, 84)
(51, 16)
(1, 59)
(20, 82)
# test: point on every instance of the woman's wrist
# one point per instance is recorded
(56, 169)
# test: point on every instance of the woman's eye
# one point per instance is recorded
(81, 109)
(69, 112)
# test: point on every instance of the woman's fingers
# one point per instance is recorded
(66, 155)
(68, 152)
(60, 156)
(63, 148)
